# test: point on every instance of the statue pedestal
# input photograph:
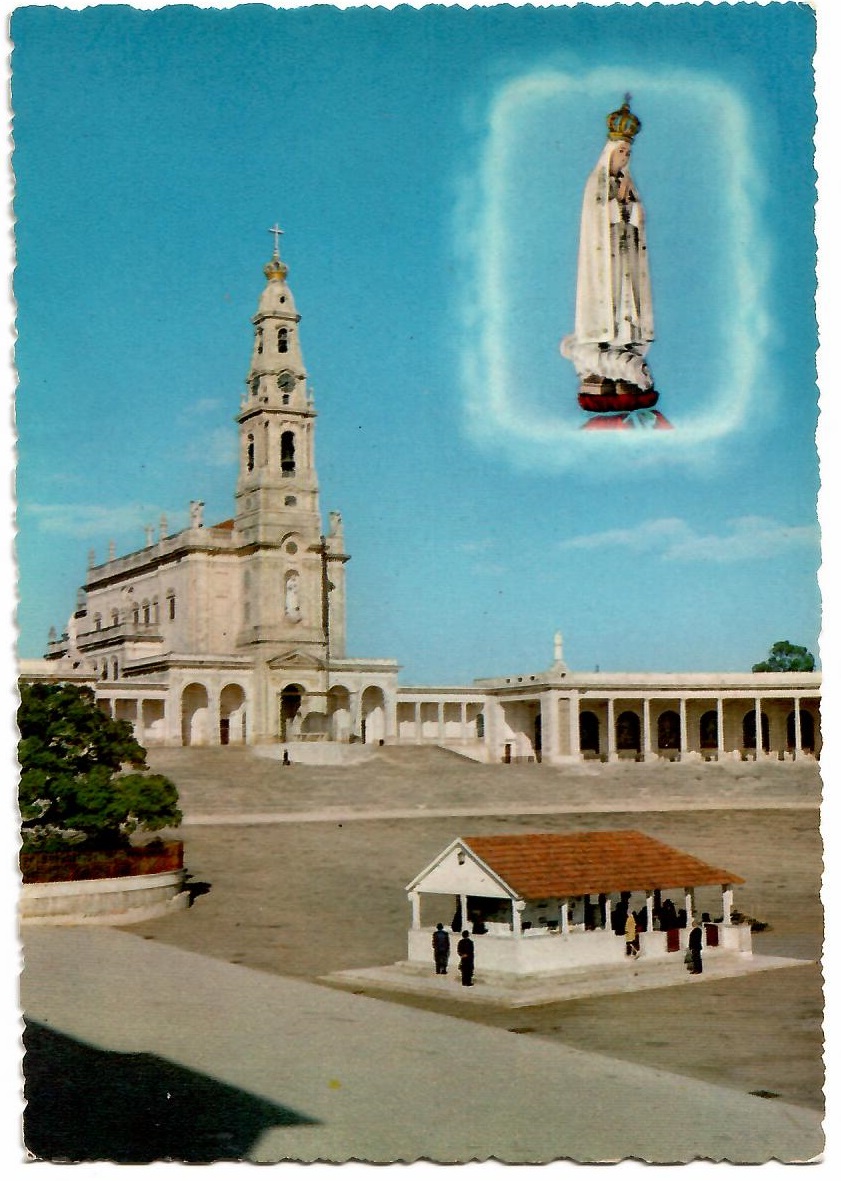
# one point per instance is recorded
(600, 395)
(634, 420)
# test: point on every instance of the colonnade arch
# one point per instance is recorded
(232, 715)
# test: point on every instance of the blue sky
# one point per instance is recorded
(427, 167)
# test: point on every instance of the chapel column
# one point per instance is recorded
(727, 905)
(440, 721)
(418, 727)
(649, 910)
(611, 732)
(798, 737)
(414, 898)
(683, 736)
(647, 751)
(719, 713)
(549, 725)
(574, 726)
(463, 720)
(757, 709)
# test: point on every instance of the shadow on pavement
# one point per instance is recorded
(87, 1104)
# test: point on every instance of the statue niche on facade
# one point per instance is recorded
(614, 320)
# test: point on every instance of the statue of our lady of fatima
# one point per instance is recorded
(614, 322)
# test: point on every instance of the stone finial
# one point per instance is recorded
(149, 530)
(196, 511)
(112, 551)
(336, 528)
(163, 527)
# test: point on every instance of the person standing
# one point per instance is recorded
(441, 949)
(465, 950)
(631, 934)
(695, 943)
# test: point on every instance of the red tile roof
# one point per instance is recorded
(560, 865)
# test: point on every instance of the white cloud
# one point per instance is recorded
(91, 520)
(675, 540)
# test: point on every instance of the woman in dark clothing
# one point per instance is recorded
(695, 943)
(465, 950)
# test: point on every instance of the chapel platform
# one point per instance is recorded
(515, 991)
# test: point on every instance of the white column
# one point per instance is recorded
(727, 905)
(549, 725)
(649, 910)
(758, 715)
(683, 735)
(608, 913)
(719, 710)
(798, 737)
(565, 917)
(418, 730)
(574, 728)
(689, 905)
(440, 721)
(517, 909)
(462, 898)
(463, 720)
(414, 898)
(647, 751)
(611, 731)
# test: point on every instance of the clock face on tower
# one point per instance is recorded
(286, 382)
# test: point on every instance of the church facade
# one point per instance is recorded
(234, 633)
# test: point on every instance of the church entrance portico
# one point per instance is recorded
(195, 719)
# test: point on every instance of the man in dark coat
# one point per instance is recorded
(695, 942)
(441, 949)
(465, 951)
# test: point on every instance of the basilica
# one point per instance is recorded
(234, 632)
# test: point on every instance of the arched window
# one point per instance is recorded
(749, 731)
(807, 731)
(170, 602)
(156, 611)
(249, 454)
(628, 731)
(135, 613)
(147, 617)
(709, 730)
(287, 453)
(255, 386)
(259, 340)
(115, 671)
(588, 731)
(668, 730)
(283, 340)
(97, 622)
(115, 617)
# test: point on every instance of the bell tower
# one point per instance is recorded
(293, 576)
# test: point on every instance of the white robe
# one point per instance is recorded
(614, 321)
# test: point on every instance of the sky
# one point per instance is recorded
(427, 167)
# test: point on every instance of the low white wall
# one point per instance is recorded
(544, 951)
(318, 754)
(104, 900)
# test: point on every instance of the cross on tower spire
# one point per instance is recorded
(277, 231)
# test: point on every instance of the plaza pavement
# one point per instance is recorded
(333, 1076)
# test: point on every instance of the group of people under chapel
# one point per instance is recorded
(624, 920)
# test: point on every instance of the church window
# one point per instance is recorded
(115, 617)
(283, 340)
(156, 611)
(147, 618)
(255, 385)
(287, 453)
(292, 548)
(135, 613)
(285, 399)
(170, 602)
(97, 622)
(115, 671)
(259, 340)
(290, 501)
(249, 454)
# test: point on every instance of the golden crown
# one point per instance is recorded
(623, 124)
(275, 269)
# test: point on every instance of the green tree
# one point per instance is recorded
(786, 658)
(72, 789)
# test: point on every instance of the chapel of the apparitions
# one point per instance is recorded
(234, 632)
